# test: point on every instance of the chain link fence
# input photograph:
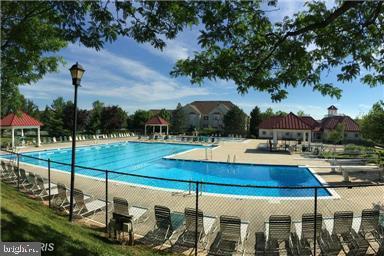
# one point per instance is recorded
(187, 217)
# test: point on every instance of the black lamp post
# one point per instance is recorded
(77, 72)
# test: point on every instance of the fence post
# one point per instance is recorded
(18, 171)
(197, 217)
(49, 182)
(106, 201)
(315, 224)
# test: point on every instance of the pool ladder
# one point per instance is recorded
(191, 188)
(229, 159)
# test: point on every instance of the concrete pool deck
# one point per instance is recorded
(255, 211)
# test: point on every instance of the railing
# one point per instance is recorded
(144, 191)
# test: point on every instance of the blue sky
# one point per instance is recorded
(136, 76)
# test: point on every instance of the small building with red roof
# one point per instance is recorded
(286, 127)
(22, 121)
(154, 122)
(306, 128)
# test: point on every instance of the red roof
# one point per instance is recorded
(288, 122)
(22, 120)
(156, 120)
(293, 122)
(310, 121)
(332, 121)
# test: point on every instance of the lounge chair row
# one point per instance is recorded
(34, 184)
(48, 140)
(332, 235)
(181, 227)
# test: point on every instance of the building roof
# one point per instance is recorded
(293, 122)
(205, 107)
(332, 107)
(19, 120)
(288, 122)
(310, 121)
(156, 120)
(332, 121)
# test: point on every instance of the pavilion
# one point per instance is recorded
(21, 121)
(156, 122)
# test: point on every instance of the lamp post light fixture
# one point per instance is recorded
(77, 72)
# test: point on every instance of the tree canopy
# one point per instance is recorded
(178, 119)
(337, 135)
(235, 121)
(238, 41)
(372, 124)
(256, 119)
(165, 114)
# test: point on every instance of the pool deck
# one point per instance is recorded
(254, 211)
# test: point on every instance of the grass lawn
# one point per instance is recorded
(25, 219)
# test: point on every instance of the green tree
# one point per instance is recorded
(280, 113)
(32, 30)
(337, 135)
(113, 118)
(139, 119)
(82, 118)
(30, 108)
(255, 121)
(95, 117)
(53, 118)
(165, 114)
(239, 43)
(301, 113)
(372, 124)
(268, 113)
(178, 119)
(235, 121)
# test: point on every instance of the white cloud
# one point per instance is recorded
(112, 78)
(175, 50)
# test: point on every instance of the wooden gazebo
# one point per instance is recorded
(156, 122)
(21, 121)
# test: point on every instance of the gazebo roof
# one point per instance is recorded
(156, 120)
(19, 120)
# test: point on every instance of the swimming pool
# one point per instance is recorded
(148, 159)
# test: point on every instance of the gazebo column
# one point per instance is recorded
(145, 130)
(13, 137)
(167, 129)
(161, 129)
(153, 129)
(38, 137)
(309, 137)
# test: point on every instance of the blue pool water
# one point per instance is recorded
(148, 159)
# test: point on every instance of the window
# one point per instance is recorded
(206, 117)
(299, 134)
(356, 135)
(287, 133)
(264, 132)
